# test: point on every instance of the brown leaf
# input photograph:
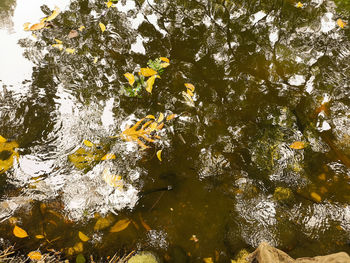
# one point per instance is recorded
(144, 224)
(120, 225)
(297, 145)
(73, 33)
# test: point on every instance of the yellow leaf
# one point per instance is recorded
(35, 255)
(341, 23)
(120, 225)
(2, 139)
(170, 117)
(70, 50)
(150, 83)
(78, 247)
(112, 180)
(59, 46)
(37, 26)
(297, 145)
(165, 65)
(316, 197)
(39, 237)
(189, 86)
(109, 4)
(190, 93)
(26, 26)
(19, 232)
(108, 156)
(88, 143)
(103, 222)
(81, 28)
(54, 14)
(159, 155)
(43, 20)
(83, 237)
(147, 72)
(208, 260)
(58, 41)
(33, 35)
(95, 60)
(164, 59)
(130, 78)
(299, 5)
(194, 238)
(102, 26)
(150, 117)
(161, 117)
(188, 99)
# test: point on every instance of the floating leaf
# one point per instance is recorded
(80, 259)
(37, 26)
(109, 4)
(81, 28)
(170, 117)
(39, 237)
(188, 99)
(341, 23)
(208, 260)
(78, 247)
(189, 92)
(130, 78)
(112, 180)
(299, 5)
(120, 225)
(190, 86)
(297, 145)
(19, 232)
(108, 156)
(26, 26)
(54, 14)
(165, 65)
(103, 222)
(70, 50)
(150, 117)
(2, 139)
(35, 255)
(147, 72)
(150, 83)
(316, 197)
(161, 117)
(88, 143)
(102, 26)
(144, 224)
(159, 155)
(95, 60)
(59, 46)
(164, 59)
(83, 237)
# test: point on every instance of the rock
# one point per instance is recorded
(144, 257)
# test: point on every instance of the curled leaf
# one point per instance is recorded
(150, 83)
(190, 86)
(297, 145)
(159, 155)
(108, 156)
(161, 117)
(83, 237)
(19, 232)
(150, 117)
(54, 14)
(88, 143)
(130, 78)
(164, 59)
(170, 117)
(35, 255)
(102, 26)
(188, 99)
(147, 72)
(120, 225)
(37, 26)
(165, 65)
(189, 92)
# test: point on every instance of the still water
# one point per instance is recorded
(256, 149)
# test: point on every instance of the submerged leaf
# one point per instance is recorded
(120, 225)
(164, 59)
(112, 180)
(103, 222)
(83, 237)
(341, 23)
(208, 260)
(35, 255)
(80, 259)
(59, 46)
(165, 65)
(58, 41)
(19, 232)
(37, 26)
(161, 117)
(54, 14)
(297, 145)
(130, 78)
(39, 237)
(102, 26)
(188, 99)
(78, 247)
(159, 155)
(147, 72)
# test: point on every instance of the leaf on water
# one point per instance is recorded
(188, 99)
(58, 41)
(2, 139)
(108, 156)
(78, 247)
(95, 60)
(39, 237)
(150, 117)
(37, 26)
(130, 77)
(120, 225)
(170, 117)
(190, 86)
(83, 237)
(150, 83)
(54, 14)
(59, 46)
(341, 23)
(165, 65)
(102, 26)
(81, 28)
(147, 72)
(109, 4)
(70, 50)
(189, 92)
(316, 197)
(297, 145)
(299, 5)
(73, 33)
(35, 255)
(159, 153)
(161, 117)
(88, 143)
(103, 222)
(112, 180)
(19, 232)
(164, 59)
(26, 26)
(80, 259)
(208, 260)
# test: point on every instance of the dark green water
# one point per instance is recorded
(266, 74)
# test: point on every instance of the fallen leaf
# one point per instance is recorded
(120, 225)
(161, 117)
(80, 259)
(34, 36)
(144, 224)
(164, 59)
(189, 92)
(159, 155)
(165, 65)
(130, 78)
(70, 50)
(26, 26)
(108, 156)
(299, 5)
(170, 117)
(208, 260)
(102, 26)
(109, 4)
(73, 33)
(150, 83)
(341, 23)
(59, 46)
(103, 222)
(95, 60)
(316, 197)
(83, 237)
(19, 232)
(188, 99)
(81, 28)
(2, 139)
(35, 255)
(150, 117)
(88, 143)
(54, 14)
(37, 26)
(112, 180)
(58, 41)
(78, 247)
(190, 86)
(147, 72)
(297, 145)
(39, 237)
